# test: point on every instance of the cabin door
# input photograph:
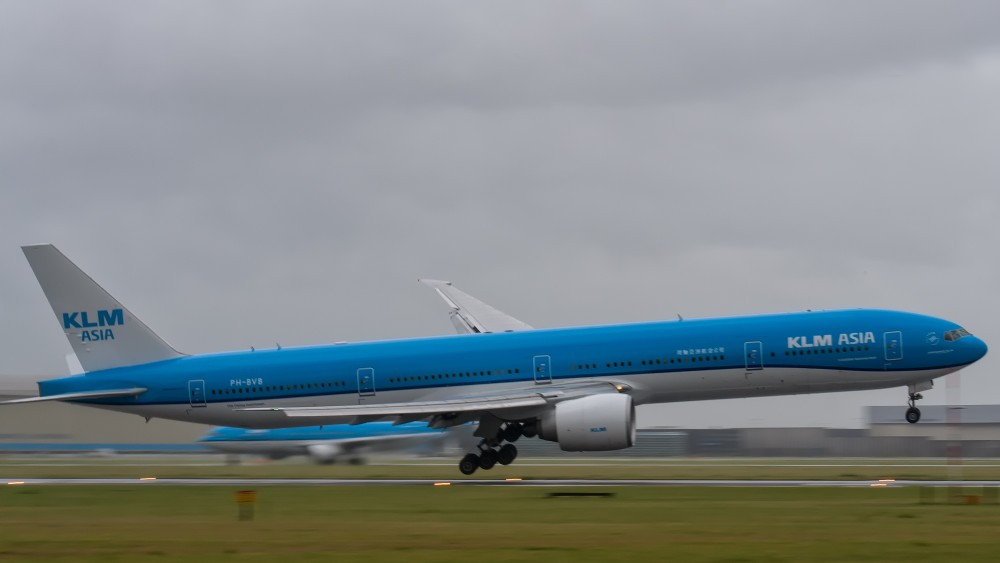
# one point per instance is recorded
(196, 392)
(893, 346)
(543, 369)
(366, 382)
(754, 352)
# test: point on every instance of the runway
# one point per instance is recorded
(152, 481)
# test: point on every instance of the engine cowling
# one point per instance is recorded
(323, 453)
(591, 424)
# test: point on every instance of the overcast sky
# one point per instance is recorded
(243, 173)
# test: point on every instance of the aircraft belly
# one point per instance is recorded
(735, 383)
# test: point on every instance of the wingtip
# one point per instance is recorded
(432, 282)
(27, 247)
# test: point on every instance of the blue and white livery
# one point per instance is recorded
(576, 386)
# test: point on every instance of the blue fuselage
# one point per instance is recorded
(319, 433)
(659, 361)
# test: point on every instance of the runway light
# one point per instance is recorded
(442, 484)
(16, 483)
(512, 479)
(878, 484)
(147, 478)
(886, 480)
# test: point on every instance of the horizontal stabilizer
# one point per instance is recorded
(81, 395)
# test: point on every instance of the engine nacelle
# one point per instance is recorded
(590, 424)
(323, 453)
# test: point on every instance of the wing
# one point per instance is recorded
(470, 315)
(513, 404)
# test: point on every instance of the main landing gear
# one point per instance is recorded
(491, 452)
(913, 413)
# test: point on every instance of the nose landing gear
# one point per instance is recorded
(914, 389)
(913, 413)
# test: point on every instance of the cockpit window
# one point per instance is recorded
(952, 335)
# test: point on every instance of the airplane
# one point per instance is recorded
(327, 444)
(576, 386)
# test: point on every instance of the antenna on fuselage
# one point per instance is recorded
(679, 317)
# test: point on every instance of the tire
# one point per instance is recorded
(488, 459)
(507, 454)
(469, 464)
(512, 432)
(913, 415)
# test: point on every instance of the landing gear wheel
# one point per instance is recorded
(529, 430)
(488, 459)
(512, 432)
(913, 413)
(469, 464)
(507, 454)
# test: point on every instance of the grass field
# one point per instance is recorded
(417, 524)
(527, 468)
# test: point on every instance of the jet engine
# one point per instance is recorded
(590, 424)
(323, 454)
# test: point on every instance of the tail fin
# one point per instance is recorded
(102, 332)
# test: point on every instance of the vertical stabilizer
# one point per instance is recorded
(102, 332)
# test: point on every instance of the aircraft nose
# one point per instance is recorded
(975, 348)
(979, 347)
